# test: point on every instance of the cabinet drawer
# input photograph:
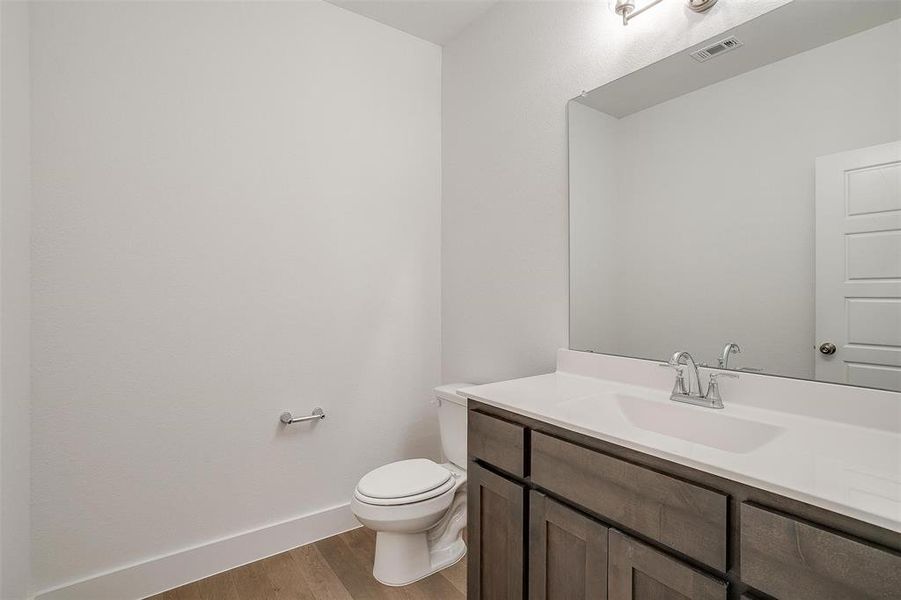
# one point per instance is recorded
(786, 558)
(497, 442)
(687, 518)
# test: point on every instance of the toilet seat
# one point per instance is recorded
(404, 482)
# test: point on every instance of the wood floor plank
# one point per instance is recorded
(318, 575)
(355, 575)
(251, 582)
(188, 592)
(287, 578)
(456, 575)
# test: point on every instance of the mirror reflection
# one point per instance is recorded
(750, 213)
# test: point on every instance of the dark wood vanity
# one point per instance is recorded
(556, 515)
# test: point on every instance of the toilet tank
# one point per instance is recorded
(452, 422)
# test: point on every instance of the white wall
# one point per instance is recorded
(236, 212)
(506, 81)
(732, 188)
(15, 252)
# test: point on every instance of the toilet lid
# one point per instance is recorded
(403, 479)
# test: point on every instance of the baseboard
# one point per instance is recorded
(166, 572)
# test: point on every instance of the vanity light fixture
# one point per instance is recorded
(626, 8)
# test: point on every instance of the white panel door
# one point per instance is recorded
(858, 267)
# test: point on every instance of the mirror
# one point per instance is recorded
(748, 191)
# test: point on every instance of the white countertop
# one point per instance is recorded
(846, 468)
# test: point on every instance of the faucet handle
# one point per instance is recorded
(679, 369)
(679, 387)
(713, 388)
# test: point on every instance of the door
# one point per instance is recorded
(639, 572)
(496, 522)
(858, 267)
(567, 553)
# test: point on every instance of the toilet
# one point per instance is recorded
(417, 507)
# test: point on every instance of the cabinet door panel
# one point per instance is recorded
(639, 572)
(496, 523)
(567, 553)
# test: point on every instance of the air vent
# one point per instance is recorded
(714, 50)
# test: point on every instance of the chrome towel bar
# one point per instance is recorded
(287, 418)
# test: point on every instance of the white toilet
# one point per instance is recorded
(418, 507)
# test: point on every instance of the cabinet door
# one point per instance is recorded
(567, 553)
(496, 523)
(639, 572)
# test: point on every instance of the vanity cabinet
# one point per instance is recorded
(556, 515)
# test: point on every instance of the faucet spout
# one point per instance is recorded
(728, 350)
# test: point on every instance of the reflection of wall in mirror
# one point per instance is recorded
(712, 236)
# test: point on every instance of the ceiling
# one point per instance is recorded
(438, 21)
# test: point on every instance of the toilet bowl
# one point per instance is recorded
(417, 507)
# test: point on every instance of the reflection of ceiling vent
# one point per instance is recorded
(721, 47)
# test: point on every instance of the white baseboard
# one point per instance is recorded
(172, 570)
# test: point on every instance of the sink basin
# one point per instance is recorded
(705, 426)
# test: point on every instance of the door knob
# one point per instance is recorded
(827, 348)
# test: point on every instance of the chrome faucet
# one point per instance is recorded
(685, 391)
(728, 350)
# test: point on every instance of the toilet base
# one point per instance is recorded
(405, 558)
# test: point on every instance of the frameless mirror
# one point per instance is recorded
(747, 191)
